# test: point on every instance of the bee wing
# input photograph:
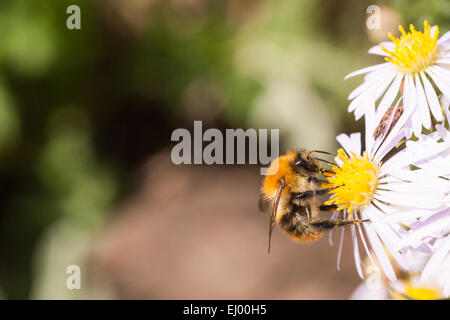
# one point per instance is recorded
(274, 211)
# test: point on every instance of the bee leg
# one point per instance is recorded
(327, 171)
(328, 207)
(308, 214)
(311, 193)
(330, 224)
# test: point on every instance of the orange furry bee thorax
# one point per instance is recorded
(280, 168)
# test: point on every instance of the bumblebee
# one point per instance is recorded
(293, 188)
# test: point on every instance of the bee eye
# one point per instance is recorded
(309, 179)
(300, 163)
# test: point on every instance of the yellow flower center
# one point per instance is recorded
(422, 293)
(414, 51)
(354, 183)
(417, 292)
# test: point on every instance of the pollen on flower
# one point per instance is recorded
(414, 51)
(422, 293)
(416, 291)
(354, 183)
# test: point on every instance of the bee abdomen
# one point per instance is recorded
(297, 227)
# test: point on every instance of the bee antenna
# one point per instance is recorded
(326, 161)
(325, 152)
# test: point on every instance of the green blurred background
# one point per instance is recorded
(82, 110)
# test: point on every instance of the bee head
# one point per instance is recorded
(305, 162)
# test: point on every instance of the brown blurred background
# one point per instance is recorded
(85, 123)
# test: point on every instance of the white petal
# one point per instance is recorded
(341, 241)
(379, 252)
(415, 152)
(330, 234)
(371, 124)
(356, 255)
(372, 84)
(366, 70)
(378, 51)
(444, 38)
(436, 260)
(443, 61)
(430, 228)
(440, 83)
(431, 96)
(423, 104)
(350, 144)
(389, 97)
(363, 240)
(384, 84)
(443, 72)
(410, 102)
(410, 95)
(445, 104)
(356, 103)
(425, 201)
(388, 235)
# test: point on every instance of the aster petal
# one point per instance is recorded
(356, 255)
(366, 70)
(436, 260)
(364, 105)
(415, 152)
(388, 235)
(433, 30)
(378, 51)
(379, 252)
(423, 104)
(444, 39)
(377, 73)
(391, 141)
(424, 186)
(356, 103)
(389, 97)
(341, 242)
(410, 95)
(443, 73)
(444, 133)
(369, 85)
(426, 201)
(443, 61)
(416, 121)
(407, 215)
(350, 143)
(431, 96)
(440, 82)
(330, 234)
(371, 124)
(363, 240)
(432, 227)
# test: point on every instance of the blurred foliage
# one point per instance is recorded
(437, 12)
(81, 109)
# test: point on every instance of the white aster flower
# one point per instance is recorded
(439, 263)
(409, 285)
(431, 232)
(419, 61)
(371, 185)
(427, 226)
